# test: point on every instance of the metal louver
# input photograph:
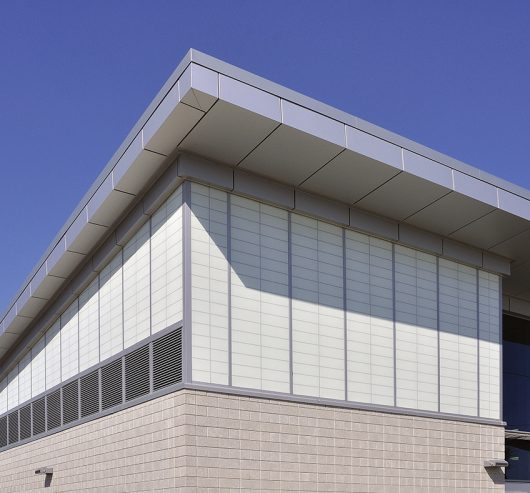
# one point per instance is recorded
(137, 381)
(25, 422)
(167, 360)
(12, 423)
(39, 416)
(3, 431)
(53, 410)
(89, 394)
(155, 365)
(71, 402)
(112, 384)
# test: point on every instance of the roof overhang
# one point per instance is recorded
(230, 116)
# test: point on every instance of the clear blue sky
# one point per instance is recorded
(76, 75)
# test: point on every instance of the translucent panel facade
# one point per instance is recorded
(112, 313)
(209, 284)
(291, 304)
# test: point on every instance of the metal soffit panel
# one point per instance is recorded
(232, 116)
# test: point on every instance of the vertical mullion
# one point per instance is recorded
(290, 294)
(229, 281)
(186, 281)
(394, 319)
(345, 313)
(478, 340)
(438, 327)
(501, 381)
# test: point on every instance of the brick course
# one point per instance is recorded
(205, 441)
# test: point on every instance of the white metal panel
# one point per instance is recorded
(489, 345)
(458, 338)
(70, 342)
(136, 287)
(166, 263)
(260, 296)
(317, 308)
(209, 290)
(416, 329)
(111, 308)
(24, 378)
(3, 396)
(38, 367)
(53, 355)
(89, 326)
(370, 324)
(12, 388)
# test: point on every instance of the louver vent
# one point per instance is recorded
(39, 421)
(154, 366)
(167, 360)
(137, 373)
(70, 402)
(90, 394)
(111, 384)
(53, 410)
(13, 427)
(25, 422)
(3, 431)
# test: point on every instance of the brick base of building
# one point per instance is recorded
(204, 441)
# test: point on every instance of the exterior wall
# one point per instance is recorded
(142, 448)
(202, 441)
(138, 293)
(250, 444)
(288, 303)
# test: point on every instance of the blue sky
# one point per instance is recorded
(76, 75)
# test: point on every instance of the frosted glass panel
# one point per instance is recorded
(38, 367)
(489, 345)
(260, 296)
(111, 309)
(12, 388)
(70, 342)
(458, 338)
(53, 355)
(136, 288)
(24, 378)
(416, 329)
(370, 323)
(166, 264)
(317, 308)
(89, 326)
(209, 284)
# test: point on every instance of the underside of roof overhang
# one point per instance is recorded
(229, 116)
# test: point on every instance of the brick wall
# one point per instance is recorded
(202, 441)
(250, 444)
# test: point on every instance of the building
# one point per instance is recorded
(263, 293)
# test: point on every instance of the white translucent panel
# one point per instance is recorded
(53, 355)
(489, 345)
(370, 324)
(38, 367)
(12, 388)
(70, 342)
(89, 326)
(3, 396)
(209, 285)
(317, 308)
(260, 295)
(416, 329)
(24, 378)
(166, 263)
(111, 309)
(136, 288)
(458, 338)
